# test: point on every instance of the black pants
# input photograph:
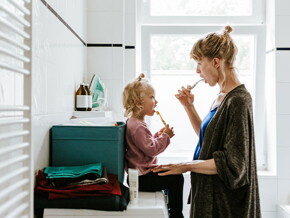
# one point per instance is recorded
(173, 185)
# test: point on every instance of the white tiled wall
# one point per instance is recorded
(283, 191)
(112, 22)
(283, 130)
(73, 13)
(282, 7)
(268, 197)
(283, 163)
(59, 65)
(130, 40)
(283, 103)
(282, 71)
(282, 32)
(282, 22)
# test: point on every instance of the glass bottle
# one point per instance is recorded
(89, 97)
(81, 98)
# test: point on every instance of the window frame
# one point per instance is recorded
(252, 24)
(257, 16)
(259, 87)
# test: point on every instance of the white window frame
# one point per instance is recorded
(257, 17)
(245, 25)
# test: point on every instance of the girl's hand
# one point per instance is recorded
(169, 131)
(159, 133)
(184, 96)
(169, 169)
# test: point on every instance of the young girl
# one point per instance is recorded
(142, 147)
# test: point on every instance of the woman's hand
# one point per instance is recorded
(184, 96)
(170, 169)
(206, 167)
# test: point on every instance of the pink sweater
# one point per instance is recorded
(142, 146)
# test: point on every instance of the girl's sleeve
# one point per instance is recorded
(232, 163)
(149, 144)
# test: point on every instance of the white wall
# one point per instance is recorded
(111, 23)
(59, 65)
(282, 69)
(275, 190)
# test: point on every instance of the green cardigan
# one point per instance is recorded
(229, 139)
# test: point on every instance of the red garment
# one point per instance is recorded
(74, 191)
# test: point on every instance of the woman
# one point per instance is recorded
(224, 182)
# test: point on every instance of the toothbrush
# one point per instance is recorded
(157, 112)
(196, 83)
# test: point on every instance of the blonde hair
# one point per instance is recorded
(133, 95)
(216, 45)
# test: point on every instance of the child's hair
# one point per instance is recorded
(133, 95)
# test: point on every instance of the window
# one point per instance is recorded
(200, 8)
(202, 12)
(165, 59)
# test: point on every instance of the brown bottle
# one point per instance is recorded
(89, 97)
(81, 98)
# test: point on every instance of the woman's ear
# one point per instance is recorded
(216, 62)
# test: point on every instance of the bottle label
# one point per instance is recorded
(82, 101)
(90, 101)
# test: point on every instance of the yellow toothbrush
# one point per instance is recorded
(157, 112)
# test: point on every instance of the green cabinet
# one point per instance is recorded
(79, 145)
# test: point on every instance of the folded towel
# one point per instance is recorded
(102, 180)
(73, 171)
(74, 191)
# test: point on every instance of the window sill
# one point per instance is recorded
(267, 174)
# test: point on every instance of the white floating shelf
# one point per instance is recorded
(92, 114)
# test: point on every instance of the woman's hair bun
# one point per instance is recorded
(228, 29)
(142, 75)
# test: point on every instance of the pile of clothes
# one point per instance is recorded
(80, 187)
(76, 181)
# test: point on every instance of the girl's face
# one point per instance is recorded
(207, 70)
(149, 102)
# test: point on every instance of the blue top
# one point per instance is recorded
(203, 126)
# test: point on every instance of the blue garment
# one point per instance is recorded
(203, 126)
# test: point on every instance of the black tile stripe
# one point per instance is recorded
(99, 45)
(109, 45)
(62, 20)
(104, 45)
(283, 49)
(129, 47)
(278, 49)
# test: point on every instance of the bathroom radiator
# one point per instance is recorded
(15, 109)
